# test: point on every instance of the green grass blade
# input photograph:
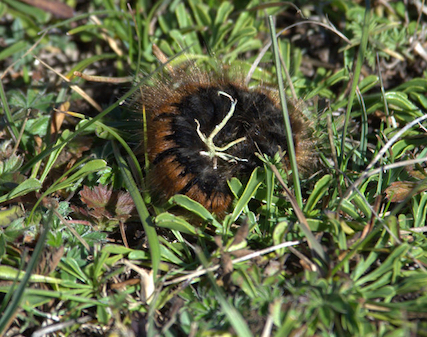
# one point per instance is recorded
(356, 76)
(289, 138)
(170, 221)
(318, 192)
(23, 188)
(386, 266)
(59, 146)
(257, 177)
(104, 129)
(150, 231)
(7, 112)
(363, 147)
(195, 208)
(19, 292)
(89, 167)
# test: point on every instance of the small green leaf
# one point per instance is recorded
(403, 146)
(246, 32)
(98, 265)
(339, 76)
(194, 207)
(414, 85)
(11, 164)
(24, 188)
(386, 266)
(236, 187)
(59, 146)
(182, 16)
(318, 192)
(368, 83)
(70, 266)
(420, 210)
(102, 314)
(404, 107)
(30, 11)
(167, 220)
(2, 246)
(38, 126)
(90, 167)
(278, 235)
(201, 12)
(257, 177)
(224, 11)
(420, 98)
(13, 49)
(3, 9)
(83, 64)
(361, 204)
(138, 255)
(349, 208)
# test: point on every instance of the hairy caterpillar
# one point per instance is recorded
(205, 128)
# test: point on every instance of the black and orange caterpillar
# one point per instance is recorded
(187, 156)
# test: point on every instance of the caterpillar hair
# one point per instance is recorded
(205, 128)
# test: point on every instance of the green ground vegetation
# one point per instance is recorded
(340, 252)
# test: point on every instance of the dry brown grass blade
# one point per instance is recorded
(112, 43)
(369, 228)
(72, 86)
(57, 8)
(147, 284)
(25, 54)
(103, 79)
(123, 234)
(162, 58)
(57, 118)
(306, 263)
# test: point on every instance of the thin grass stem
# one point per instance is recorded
(356, 76)
(287, 122)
